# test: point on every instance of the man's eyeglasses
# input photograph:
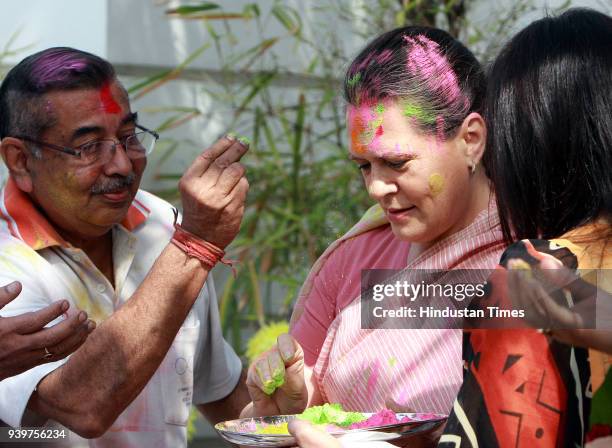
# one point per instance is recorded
(137, 145)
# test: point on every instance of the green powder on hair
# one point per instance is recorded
(412, 110)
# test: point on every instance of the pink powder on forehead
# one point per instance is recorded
(108, 102)
(366, 126)
(425, 60)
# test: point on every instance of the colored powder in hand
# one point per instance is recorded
(331, 414)
(277, 380)
(384, 417)
(281, 428)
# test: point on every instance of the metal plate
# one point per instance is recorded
(242, 431)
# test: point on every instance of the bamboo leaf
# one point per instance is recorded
(177, 120)
(252, 9)
(217, 16)
(148, 81)
(168, 176)
(270, 140)
(260, 82)
(254, 52)
(224, 302)
(298, 130)
(156, 81)
(168, 153)
(313, 65)
(257, 120)
(190, 9)
(283, 15)
(256, 293)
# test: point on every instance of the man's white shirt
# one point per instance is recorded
(200, 366)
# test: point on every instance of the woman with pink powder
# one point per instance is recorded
(417, 136)
(550, 124)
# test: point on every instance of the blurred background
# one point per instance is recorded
(270, 71)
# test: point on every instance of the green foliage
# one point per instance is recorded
(304, 191)
(191, 423)
(264, 339)
(484, 36)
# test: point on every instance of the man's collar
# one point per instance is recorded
(28, 224)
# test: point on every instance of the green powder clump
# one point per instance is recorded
(277, 380)
(331, 414)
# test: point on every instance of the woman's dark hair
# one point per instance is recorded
(549, 117)
(436, 79)
(22, 104)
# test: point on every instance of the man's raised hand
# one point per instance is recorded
(213, 192)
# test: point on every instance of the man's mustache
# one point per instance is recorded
(113, 184)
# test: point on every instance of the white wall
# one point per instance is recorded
(45, 23)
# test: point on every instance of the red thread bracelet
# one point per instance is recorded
(194, 246)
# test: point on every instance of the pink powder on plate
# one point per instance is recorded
(387, 417)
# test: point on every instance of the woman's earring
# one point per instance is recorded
(473, 168)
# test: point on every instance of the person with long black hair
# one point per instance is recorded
(549, 116)
(549, 155)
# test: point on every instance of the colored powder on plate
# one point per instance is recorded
(331, 414)
(249, 427)
(384, 417)
(281, 428)
(424, 416)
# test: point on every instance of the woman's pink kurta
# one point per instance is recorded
(365, 369)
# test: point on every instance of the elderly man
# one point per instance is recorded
(75, 226)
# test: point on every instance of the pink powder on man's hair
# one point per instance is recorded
(53, 68)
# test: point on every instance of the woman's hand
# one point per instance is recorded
(307, 436)
(569, 325)
(276, 380)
